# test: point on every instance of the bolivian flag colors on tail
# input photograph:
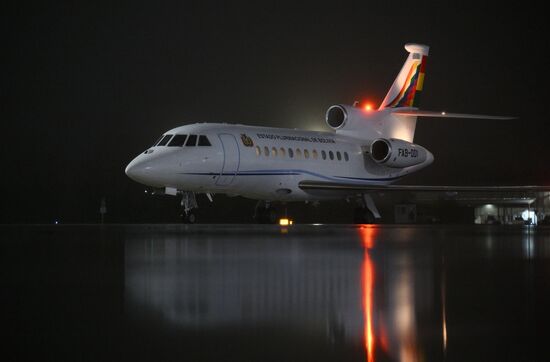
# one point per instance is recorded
(408, 96)
(408, 84)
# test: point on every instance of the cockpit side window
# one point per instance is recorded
(203, 141)
(192, 140)
(164, 140)
(178, 140)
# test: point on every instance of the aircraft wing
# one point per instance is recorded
(337, 186)
(419, 113)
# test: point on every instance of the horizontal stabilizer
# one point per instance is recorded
(419, 113)
(336, 186)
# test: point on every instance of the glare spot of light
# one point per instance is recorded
(368, 107)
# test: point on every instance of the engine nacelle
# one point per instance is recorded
(338, 116)
(397, 153)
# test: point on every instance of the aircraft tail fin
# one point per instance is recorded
(409, 82)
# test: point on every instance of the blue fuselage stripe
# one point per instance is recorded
(288, 173)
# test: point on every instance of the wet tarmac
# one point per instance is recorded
(266, 293)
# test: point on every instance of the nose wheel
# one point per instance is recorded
(190, 217)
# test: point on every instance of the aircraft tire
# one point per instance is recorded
(265, 215)
(363, 216)
(190, 218)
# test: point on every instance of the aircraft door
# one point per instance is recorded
(231, 159)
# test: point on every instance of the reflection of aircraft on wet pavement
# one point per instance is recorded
(345, 293)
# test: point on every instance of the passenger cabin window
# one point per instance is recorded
(306, 153)
(339, 156)
(282, 152)
(314, 154)
(258, 151)
(266, 151)
(191, 141)
(178, 140)
(203, 141)
(290, 153)
(298, 153)
(164, 140)
(324, 155)
(346, 157)
(274, 152)
(331, 155)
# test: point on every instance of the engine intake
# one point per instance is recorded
(336, 116)
(397, 153)
(380, 150)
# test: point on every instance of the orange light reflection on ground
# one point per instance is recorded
(368, 234)
(367, 277)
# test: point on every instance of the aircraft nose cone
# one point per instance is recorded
(137, 169)
(153, 171)
(130, 170)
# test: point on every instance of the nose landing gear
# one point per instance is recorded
(188, 204)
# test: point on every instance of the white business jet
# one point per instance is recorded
(367, 151)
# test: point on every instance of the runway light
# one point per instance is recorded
(285, 222)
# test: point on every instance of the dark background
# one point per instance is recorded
(85, 88)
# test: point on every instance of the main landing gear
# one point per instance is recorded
(362, 215)
(366, 212)
(265, 213)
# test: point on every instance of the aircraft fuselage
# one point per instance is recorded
(260, 162)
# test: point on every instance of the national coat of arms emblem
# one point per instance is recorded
(247, 141)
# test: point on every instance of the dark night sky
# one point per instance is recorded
(85, 88)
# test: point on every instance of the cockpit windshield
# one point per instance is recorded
(192, 140)
(164, 140)
(178, 140)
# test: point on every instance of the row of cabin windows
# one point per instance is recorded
(182, 139)
(274, 152)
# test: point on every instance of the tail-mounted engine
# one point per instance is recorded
(338, 116)
(397, 153)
